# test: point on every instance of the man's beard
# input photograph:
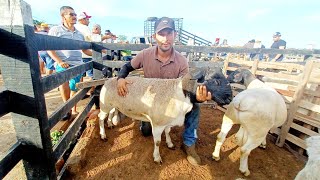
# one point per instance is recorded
(165, 50)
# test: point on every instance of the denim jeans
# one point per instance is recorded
(47, 60)
(89, 73)
(191, 124)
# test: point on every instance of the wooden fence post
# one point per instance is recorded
(254, 66)
(225, 65)
(97, 57)
(295, 103)
(21, 75)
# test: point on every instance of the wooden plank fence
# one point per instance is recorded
(300, 87)
(24, 88)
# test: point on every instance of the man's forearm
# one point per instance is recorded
(277, 56)
(54, 56)
(125, 70)
(88, 52)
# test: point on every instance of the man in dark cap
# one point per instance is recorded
(278, 43)
(163, 61)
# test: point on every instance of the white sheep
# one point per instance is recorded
(311, 169)
(257, 110)
(162, 102)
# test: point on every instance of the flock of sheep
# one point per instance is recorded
(165, 102)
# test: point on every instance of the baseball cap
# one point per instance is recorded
(83, 15)
(163, 23)
(277, 34)
(44, 25)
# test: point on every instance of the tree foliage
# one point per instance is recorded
(122, 38)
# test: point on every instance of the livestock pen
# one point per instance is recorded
(24, 89)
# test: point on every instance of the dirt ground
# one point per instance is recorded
(128, 155)
(7, 132)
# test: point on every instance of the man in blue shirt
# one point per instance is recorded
(67, 58)
(278, 43)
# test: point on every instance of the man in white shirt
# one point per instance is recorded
(82, 26)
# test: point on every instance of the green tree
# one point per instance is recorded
(122, 38)
(37, 22)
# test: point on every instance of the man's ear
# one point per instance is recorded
(154, 36)
(175, 34)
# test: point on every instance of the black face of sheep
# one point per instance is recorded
(238, 76)
(216, 83)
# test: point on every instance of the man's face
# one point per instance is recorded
(276, 38)
(165, 39)
(69, 16)
(96, 30)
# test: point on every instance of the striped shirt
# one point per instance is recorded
(72, 57)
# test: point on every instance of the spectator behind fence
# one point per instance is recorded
(278, 43)
(82, 26)
(254, 43)
(67, 58)
(163, 61)
(96, 36)
(43, 55)
(258, 44)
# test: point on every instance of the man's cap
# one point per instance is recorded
(277, 34)
(44, 25)
(96, 25)
(164, 23)
(83, 15)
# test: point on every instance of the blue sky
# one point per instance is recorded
(236, 21)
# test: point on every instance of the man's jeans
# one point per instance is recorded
(191, 124)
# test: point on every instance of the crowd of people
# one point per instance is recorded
(159, 61)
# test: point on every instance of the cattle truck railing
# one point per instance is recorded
(24, 88)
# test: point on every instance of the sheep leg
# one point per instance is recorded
(102, 115)
(110, 117)
(263, 145)
(157, 131)
(168, 138)
(116, 117)
(241, 136)
(249, 145)
(227, 124)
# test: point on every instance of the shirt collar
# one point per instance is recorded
(172, 58)
(66, 29)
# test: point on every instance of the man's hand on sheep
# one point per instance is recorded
(122, 86)
(202, 94)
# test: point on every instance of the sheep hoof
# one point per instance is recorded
(172, 147)
(263, 146)
(104, 138)
(215, 158)
(158, 161)
(245, 173)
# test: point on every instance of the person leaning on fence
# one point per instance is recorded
(83, 27)
(278, 43)
(43, 55)
(163, 61)
(67, 58)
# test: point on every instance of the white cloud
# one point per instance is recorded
(258, 13)
(312, 18)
